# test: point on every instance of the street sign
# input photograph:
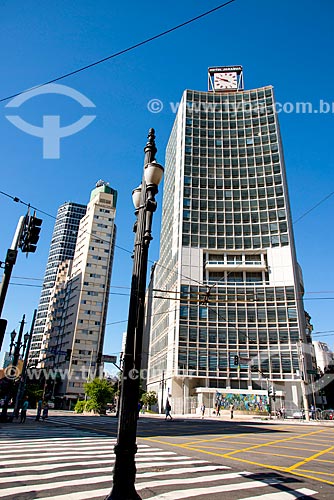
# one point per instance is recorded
(106, 358)
(312, 372)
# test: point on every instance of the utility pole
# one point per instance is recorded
(162, 391)
(302, 378)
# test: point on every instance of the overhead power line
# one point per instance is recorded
(121, 52)
(312, 208)
(18, 200)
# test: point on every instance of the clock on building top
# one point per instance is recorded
(225, 79)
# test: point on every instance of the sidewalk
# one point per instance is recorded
(225, 416)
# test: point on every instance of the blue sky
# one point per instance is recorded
(285, 44)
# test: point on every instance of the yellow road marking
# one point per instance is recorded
(271, 443)
(309, 459)
(307, 476)
(214, 439)
(273, 454)
(289, 447)
(237, 459)
(316, 472)
(211, 448)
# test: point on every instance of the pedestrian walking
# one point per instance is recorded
(167, 411)
(283, 412)
(24, 409)
(39, 410)
(231, 409)
(138, 408)
(45, 410)
(203, 410)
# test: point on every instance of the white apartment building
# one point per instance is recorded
(62, 247)
(77, 318)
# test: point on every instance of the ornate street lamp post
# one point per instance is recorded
(144, 200)
(12, 373)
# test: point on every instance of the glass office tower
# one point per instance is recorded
(62, 247)
(227, 312)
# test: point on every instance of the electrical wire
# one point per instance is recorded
(312, 208)
(121, 52)
(16, 199)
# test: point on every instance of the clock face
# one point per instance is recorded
(224, 81)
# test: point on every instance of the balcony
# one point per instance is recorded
(243, 265)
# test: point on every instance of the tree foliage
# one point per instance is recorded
(100, 392)
(149, 398)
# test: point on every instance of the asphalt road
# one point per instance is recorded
(295, 448)
(195, 458)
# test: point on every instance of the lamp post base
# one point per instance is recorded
(119, 495)
(124, 474)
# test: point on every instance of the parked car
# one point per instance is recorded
(301, 414)
(328, 414)
(51, 404)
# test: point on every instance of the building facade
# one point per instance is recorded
(323, 355)
(227, 310)
(62, 247)
(77, 316)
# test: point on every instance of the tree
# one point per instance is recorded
(149, 398)
(100, 392)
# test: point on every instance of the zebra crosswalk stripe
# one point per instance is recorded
(284, 495)
(53, 475)
(79, 465)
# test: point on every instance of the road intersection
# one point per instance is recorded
(71, 457)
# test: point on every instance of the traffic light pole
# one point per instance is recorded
(23, 378)
(10, 262)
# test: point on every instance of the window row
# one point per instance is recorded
(269, 294)
(215, 362)
(213, 242)
(236, 162)
(235, 230)
(231, 97)
(227, 142)
(236, 217)
(208, 121)
(193, 130)
(225, 208)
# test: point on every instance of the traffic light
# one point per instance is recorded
(236, 360)
(3, 325)
(31, 234)
(11, 256)
(68, 355)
